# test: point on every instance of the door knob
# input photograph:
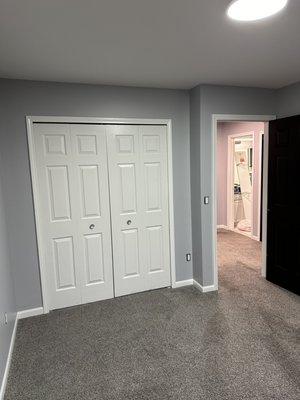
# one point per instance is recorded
(92, 226)
(129, 222)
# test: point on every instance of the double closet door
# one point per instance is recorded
(102, 206)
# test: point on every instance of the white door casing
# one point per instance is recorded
(138, 174)
(71, 164)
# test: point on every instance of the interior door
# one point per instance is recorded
(283, 233)
(73, 205)
(139, 207)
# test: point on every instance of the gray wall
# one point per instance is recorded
(288, 101)
(219, 100)
(41, 98)
(7, 301)
(189, 153)
(195, 117)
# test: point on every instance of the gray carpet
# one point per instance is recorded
(240, 343)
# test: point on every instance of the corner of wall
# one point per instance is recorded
(195, 169)
(287, 100)
(8, 321)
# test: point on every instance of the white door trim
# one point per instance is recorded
(260, 166)
(236, 117)
(230, 161)
(229, 218)
(30, 120)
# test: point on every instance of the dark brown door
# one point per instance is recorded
(283, 232)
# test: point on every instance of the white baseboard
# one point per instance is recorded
(204, 289)
(8, 360)
(178, 284)
(30, 313)
(255, 238)
(20, 315)
(189, 282)
(222, 227)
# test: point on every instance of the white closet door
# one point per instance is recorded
(74, 212)
(93, 211)
(139, 207)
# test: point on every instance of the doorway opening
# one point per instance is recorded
(240, 172)
(239, 180)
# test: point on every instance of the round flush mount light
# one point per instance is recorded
(252, 10)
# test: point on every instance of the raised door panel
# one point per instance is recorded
(151, 143)
(86, 144)
(127, 188)
(59, 192)
(130, 253)
(94, 259)
(63, 249)
(62, 272)
(153, 186)
(55, 144)
(156, 248)
(90, 191)
(125, 144)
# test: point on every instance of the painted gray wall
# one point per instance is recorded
(195, 117)
(7, 299)
(189, 153)
(219, 100)
(43, 98)
(288, 101)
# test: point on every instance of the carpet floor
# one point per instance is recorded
(239, 343)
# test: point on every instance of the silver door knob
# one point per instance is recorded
(92, 226)
(129, 222)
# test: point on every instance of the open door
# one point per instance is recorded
(283, 230)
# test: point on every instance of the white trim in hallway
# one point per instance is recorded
(236, 117)
(259, 208)
(30, 120)
(256, 238)
(230, 217)
(222, 227)
(230, 178)
(8, 360)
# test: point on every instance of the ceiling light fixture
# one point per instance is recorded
(252, 10)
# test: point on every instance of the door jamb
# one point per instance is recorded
(30, 120)
(237, 117)
(230, 176)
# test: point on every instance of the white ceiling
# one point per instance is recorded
(154, 43)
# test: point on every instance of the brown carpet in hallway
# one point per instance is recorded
(235, 249)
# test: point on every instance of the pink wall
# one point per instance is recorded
(224, 130)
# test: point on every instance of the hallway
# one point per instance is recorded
(238, 250)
